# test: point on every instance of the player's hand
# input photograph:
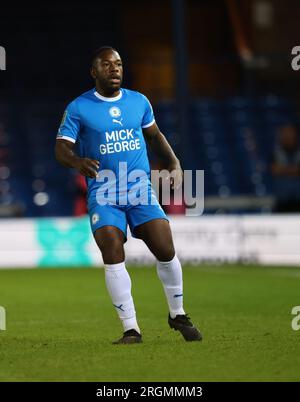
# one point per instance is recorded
(176, 178)
(88, 167)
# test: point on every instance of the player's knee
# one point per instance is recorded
(111, 247)
(165, 254)
(112, 251)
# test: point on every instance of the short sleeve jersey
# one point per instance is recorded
(109, 130)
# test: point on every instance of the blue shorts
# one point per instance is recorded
(123, 215)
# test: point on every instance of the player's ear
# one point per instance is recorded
(92, 71)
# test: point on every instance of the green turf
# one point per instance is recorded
(60, 324)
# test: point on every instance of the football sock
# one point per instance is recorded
(118, 284)
(170, 274)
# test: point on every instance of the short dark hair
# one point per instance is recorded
(97, 52)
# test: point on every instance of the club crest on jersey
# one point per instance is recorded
(115, 112)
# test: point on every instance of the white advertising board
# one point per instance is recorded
(56, 242)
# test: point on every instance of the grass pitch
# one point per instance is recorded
(60, 324)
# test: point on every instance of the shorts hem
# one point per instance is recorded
(107, 224)
(145, 221)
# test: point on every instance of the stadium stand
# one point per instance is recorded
(232, 140)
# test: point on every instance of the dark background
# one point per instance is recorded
(217, 72)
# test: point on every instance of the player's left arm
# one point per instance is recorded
(160, 146)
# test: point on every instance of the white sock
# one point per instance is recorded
(118, 284)
(170, 274)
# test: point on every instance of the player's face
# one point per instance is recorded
(107, 70)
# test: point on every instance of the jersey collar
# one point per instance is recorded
(105, 99)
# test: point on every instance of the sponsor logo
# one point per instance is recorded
(115, 112)
(63, 244)
(119, 307)
(119, 141)
(95, 218)
(118, 121)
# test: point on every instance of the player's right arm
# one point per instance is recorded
(65, 140)
(66, 156)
